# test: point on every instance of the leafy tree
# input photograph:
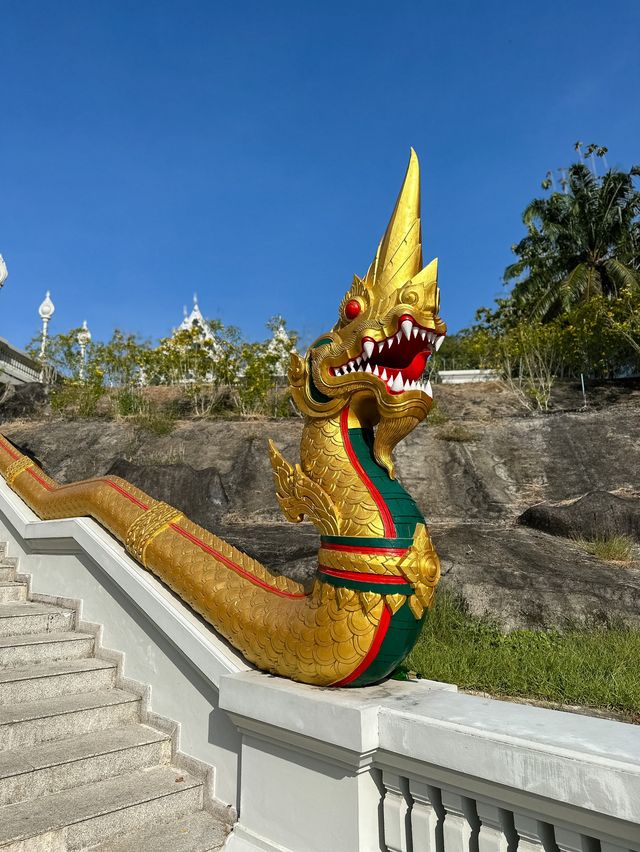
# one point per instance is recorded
(581, 242)
(120, 358)
(529, 356)
(470, 349)
(62, 353)
(213, 365)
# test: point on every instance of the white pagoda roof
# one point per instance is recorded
(195, 318)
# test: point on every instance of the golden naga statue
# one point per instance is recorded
(361, 389)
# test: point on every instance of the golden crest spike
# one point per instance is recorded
(399, 255)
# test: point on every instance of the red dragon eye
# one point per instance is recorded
(352, 309)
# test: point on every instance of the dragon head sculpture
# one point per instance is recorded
(375, 357)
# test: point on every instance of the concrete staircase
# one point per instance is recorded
(78, 769)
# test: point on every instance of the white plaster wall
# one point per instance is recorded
(459, 377)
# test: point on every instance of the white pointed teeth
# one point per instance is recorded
(358, 359)
(390, 340)
(381, 346)
(368, 346)
(398, 336)
(423, 333)
(376, 372)
(338, 371)
(439, 341)
(367, 369)
(397, 384)
(383, 375)
(407, 385)
(406, 326)
(415, 331)
(352, 365)
(429, 390)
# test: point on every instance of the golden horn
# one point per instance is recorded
(399, 255)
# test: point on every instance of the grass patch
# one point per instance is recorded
(593, 666)
(455, 432)
(436, 415)
(615, 548)
(157, 422)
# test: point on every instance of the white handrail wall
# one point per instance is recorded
(404, 766)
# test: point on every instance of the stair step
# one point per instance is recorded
(7, 572)
(75, 819)
(200, 832)
(30, 773)
(49, 680)
(12, 590)
(21, 617)
(32, 722)
(37, 647)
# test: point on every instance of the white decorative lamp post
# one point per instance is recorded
(3, 271)
(84, 339)
(46, 311)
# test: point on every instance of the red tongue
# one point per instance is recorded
(416, 367)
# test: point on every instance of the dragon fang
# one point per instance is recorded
(361, 388)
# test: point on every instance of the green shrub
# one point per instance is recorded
(76, 399)
(456, 433)
(436, 415)
(159, 422)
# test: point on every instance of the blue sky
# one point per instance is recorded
(252, 151)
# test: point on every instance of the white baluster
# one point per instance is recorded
(427, 815)
(569, 840)
(460, 829)
(497, 833)
(396, 806)
(534, 834)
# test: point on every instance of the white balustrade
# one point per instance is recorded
(398, 767)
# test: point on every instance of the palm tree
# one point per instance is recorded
(580, 243)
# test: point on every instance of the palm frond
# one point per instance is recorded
(621, 275)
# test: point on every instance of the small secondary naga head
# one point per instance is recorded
(375, 357)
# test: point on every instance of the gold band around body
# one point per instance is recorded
(147, 526)
(16, 468)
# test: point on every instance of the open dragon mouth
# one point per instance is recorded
(400, 360)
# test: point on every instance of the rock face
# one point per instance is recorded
(472, 493)
(21, 400)
(525, 578)
(199, 494)
(598, 513)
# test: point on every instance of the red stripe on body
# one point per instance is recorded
(9, 451)
(124, 493)
(201, 544)
(356, 575)
(232, 565)
(378, 639)
(387, 521)
(39, 479)
(111, 484)
(358, 548)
